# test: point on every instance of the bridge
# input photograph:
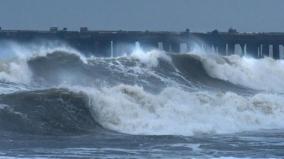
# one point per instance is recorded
(112, 43)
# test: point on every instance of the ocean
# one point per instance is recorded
(57, 102)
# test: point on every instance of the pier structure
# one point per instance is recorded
(256, 45)
(114, 43)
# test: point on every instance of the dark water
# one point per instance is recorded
(264, 144)
(157, 105)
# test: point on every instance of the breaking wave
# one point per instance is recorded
(52, 111)
(132, 110)
(54, 89)
(261, 74)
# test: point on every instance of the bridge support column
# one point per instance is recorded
(261, 50)
(167, 46)
(265, 50)
(276, 54)
(242, 49)
(231, 49)
(216, 49)
(213, 48)
(121, 48)
(111, 49)
(221, 49)
(188, 45)
(175, 47)
(160, 45)
(116, 50)
(183, 48)
(281, 53)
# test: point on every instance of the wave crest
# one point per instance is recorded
(260, 74)
(132, 110)
(150, 93)
(49, 112)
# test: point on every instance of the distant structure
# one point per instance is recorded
(111, 43)
(53, 29)
(232, 31)
(83, 29)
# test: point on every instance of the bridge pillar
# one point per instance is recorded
(120, 48)
(183, 47)
(216, 49)
(160, 45)
(238, 49)
(276, 54)
(115, 49)
(111, 49)
(231, 49)
(221, 49)
(167, 46)
(265, 50)
(261, 50)
(175, 47)
(281, 51)
(213, 48)
(243, 51)
(188, 47)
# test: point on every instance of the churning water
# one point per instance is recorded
(57, 103)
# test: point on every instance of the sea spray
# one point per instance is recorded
(14, 57)
(132, 110)
(261, 74)
(156, 93)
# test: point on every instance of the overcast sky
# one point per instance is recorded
(172, 15)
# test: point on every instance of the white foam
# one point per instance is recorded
(233, 158)
(16, 71)
(14, 57)
(261, 74)
(149, 58)
(131, 110)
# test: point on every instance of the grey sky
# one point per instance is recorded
(174, 15)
